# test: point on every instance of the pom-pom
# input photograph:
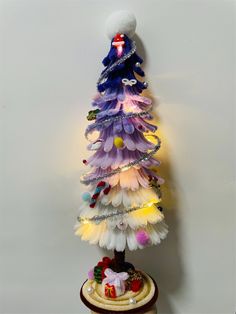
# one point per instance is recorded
(86, 197)
(118, 142)
(106, 261)
(142, 237)
(123, 22)
(91, 274)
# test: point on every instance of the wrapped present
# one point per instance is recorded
(114, 282)
(135, 280)
(98, 274)
(110, 291)
(135, 285)
(100, 268)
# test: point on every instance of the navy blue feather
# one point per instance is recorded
(127, 69)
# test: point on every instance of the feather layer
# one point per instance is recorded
(115, 239)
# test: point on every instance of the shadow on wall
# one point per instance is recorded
(162, 262)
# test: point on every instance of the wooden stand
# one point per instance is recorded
(98, 304)
(152, 310)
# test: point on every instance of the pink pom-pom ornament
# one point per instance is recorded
(142, 237)
(91, 274)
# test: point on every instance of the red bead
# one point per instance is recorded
(85, 161)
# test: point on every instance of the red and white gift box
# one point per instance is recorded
(113, 284)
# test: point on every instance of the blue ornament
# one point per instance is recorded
(86, 197)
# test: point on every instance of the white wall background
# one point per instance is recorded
(51, 52)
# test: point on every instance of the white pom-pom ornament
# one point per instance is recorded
(123, 22)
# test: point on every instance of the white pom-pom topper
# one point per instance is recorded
(123, 22)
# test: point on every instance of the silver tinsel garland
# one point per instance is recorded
(99, 218)
(143, 158)
(114, 119)
(118, 62)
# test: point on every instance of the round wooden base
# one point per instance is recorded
(98, 304)
(152, 310)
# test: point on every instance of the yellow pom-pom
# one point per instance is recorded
(118, 142)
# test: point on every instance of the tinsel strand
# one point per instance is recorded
(118, 62)
(144, 157)
(114, 119)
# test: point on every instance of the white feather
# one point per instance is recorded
(117, 198)
(117, 239)
(131, 241)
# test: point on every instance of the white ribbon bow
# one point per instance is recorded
(126, 81)
(116, 279)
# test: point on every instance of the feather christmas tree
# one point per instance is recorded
(121, 208)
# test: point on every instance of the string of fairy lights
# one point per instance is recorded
(85, 179)
(144, 157)
(97, 219)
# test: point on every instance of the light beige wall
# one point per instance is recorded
(51, 52)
